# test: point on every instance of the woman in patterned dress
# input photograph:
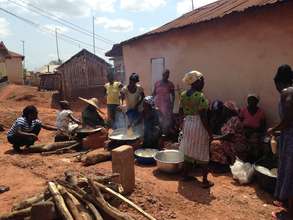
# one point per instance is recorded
(231, 143)
(196, 132)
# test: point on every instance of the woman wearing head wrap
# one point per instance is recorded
(231, 143)
(196, 135)
(150, 119)
(133, 95)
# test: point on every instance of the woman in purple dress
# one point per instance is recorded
(284, 187)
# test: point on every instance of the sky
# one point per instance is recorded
(114, 21)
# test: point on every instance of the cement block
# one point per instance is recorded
(123, 163)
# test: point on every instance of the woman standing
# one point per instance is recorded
(164, 93)
(284, 188)
(196, 132)
(133, 95)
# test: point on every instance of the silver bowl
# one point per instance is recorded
(169, 161)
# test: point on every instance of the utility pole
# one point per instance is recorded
(22, 41)
(94, 40)
(57, 47)
(192, 5)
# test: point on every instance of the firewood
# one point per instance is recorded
(28, 202)
(70, 204)
(109, 190)
(61, 150)
(49, 147)
(70, 177)
(95, 157)
(59, 201)
(105, 206)
(82, 196)
(17, 215)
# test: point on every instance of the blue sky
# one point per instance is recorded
(115, 20)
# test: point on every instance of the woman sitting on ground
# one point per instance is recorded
(90, 115)
(66, 123)
(231, 143)
(254, 122)
(25, 130)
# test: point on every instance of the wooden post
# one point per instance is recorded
(123, 163)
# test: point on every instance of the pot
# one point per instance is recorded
(169, 161)
(145, 156)
(84, 132)
(121, 134)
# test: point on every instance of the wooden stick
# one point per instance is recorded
(60, 151)
(17, 215)
(49, 147)
(82, 196)
(59, 201)
(130, 203)
(105, 206)
(28, 202)
(69, 203)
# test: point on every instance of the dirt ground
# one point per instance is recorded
(163, 196)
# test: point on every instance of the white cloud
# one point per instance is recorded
(115, 25)
(184, 6)
(52, 27)
(4, 28)
(67, 8)
(142, 5)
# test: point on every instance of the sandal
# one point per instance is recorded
(282, 215)
(4, 189)
(278, 204)
(207, 184)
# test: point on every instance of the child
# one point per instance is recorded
(65, 122)
(196, 135)
(25, 130)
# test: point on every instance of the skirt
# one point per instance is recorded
(195, 141)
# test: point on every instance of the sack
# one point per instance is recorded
(243, 172)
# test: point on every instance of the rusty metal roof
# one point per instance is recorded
(211, 11)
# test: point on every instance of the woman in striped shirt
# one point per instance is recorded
(25, 130)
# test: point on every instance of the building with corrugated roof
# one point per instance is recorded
(11, 65)
(238, 46)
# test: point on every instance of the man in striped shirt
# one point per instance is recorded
(25, 130)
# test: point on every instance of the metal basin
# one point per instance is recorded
(145, 156)
(169, 161)
(121, 134)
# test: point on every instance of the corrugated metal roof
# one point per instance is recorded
(211, 11)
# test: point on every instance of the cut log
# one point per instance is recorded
(28, 202)
(44, 211)
(130, 203)
(59, 201)
(17, 215)
(105, 206)
(61, 150)
(70, 204)
(49, 147)
(123, 163)
(95, 157)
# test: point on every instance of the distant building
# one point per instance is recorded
(238, 45)
(84, 74)
(116, 55)
(11, 65)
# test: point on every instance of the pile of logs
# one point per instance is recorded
(76, 198)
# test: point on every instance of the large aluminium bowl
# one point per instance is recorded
(169, 161)
(145, 156)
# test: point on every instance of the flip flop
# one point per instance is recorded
(282, 215)
(4, 189)
(207, 185)
(278, 203)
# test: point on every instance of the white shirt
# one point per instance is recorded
(63, 121)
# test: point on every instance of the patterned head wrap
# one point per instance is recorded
(231, 106)
(150, 101)
(192, 77)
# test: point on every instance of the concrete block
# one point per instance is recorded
(123, 163)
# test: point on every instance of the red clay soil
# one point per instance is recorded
(163, 196)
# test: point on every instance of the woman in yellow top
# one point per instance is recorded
(196, 136)
(113, 89)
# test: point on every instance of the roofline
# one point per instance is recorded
(149, 34)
